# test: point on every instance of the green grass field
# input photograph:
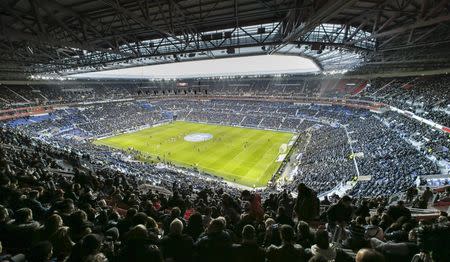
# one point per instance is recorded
(242, 155)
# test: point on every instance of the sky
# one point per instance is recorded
(250, 65)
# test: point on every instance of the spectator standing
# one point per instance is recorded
(307, 205)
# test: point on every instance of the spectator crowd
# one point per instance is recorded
(64, 199)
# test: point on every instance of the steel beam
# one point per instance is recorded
(324, 14)
(404, 28)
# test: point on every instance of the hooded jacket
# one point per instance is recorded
(328, 254)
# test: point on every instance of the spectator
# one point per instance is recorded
(40, 252)
(339, 215)
(305, 236)
(248, 250)
(177, 246)
(135, 208)
(52, 224)
(399, 210)
(307, 204)
(356, 239)
(369, 255)
(427, 195)
(138, 246)
(87, 250)
(288, 251)
(373, 230)
(282, 218)
(22, 230)
(323, 246)
(195, 226)
(33, 203)
(216, 244)
(363, 210)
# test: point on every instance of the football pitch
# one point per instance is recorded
(242, 155)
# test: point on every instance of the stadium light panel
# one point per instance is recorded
(248, 65)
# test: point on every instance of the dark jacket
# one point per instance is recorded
(214, 247)
(21, 236)
(139, 251)
(247, 252)
(363, 211)
(307, 206)
(39, 211)
(177, 247)
(284, 220)
(395, 212)
(286, 252)
(339, 213)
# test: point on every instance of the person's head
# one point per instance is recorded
(346, 201)
(269, 222)
(369, 255)
(151, 224)
(34, 194)
(112, 234)
(400, 203)
(407, 227)
(442, 219)
(131, 212)
(91, 244)
(245, 195)
(53, 222)
(412, 235)
(140, 219)
(303, 229)
(175, 212)
(153, 253)
(322, 239)
(102, 203)
(59, 193)
(216, 225)
(4, 181)
(385, 218)
(76, 187)
(195, 220)
(102, 217)
(287, 234)
(375, 220)
(224, 221)
(68, 206)
(61, 241)
(176, 227)
(281, 211)
(23, 215)
(4, 214)
(40, 252)
(80, 216)
(137, 232)
(360, 220)
(248, 233)
(302, 188)
(114, 216)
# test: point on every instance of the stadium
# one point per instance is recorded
(218, 130)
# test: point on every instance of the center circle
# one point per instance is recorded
(198, 137)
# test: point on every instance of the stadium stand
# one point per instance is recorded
(93, 198)
(334, 147)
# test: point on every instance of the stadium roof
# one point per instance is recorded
(71, 36)
(232, 66)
